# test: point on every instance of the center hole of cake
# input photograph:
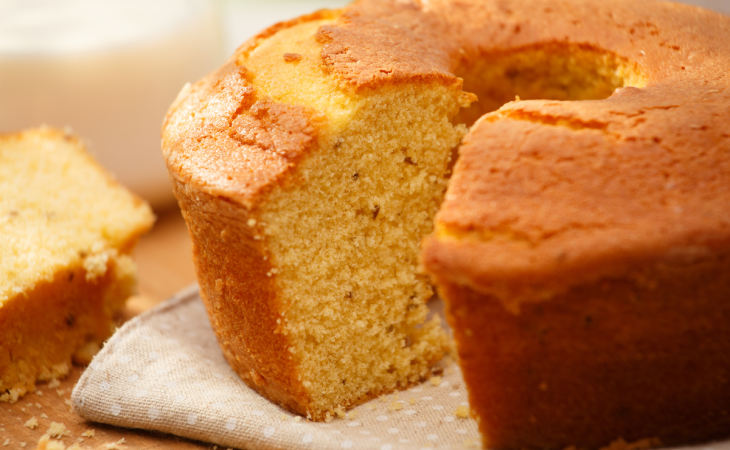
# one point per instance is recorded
(550, 72)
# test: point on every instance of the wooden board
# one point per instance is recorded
(165, 266)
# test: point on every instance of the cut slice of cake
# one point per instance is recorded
(66, 231)
(306, 208)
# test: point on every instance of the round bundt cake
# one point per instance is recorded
(583, 246)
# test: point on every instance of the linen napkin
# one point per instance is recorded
(164, 371)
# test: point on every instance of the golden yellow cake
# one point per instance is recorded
(310, 166)
(66, 232)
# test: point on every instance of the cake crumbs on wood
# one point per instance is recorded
(54, 383)
(46, 443)
(32, 423)
(115, 445)
(88, 433)
(57, 430)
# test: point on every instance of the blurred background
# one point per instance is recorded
(109, 69)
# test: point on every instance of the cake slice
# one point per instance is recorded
(66, 232)
(306, 220)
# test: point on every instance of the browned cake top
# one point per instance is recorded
(380, 41)
(548, 194)
(222, 138)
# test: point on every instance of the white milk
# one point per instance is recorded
(108, 69)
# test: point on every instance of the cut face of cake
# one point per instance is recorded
(67, 230)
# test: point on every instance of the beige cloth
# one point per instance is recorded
(164, 371)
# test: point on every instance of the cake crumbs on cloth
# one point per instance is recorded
(395, 406)
(472, 443)
(462, 412)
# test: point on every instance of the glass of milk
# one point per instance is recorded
(108, 70)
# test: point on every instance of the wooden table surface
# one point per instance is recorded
(165, 266)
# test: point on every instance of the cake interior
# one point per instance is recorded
(57, 208)
(344, 236)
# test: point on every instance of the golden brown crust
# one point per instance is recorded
(232, 265)
(248, 46)
(607, 194)
(635, 357)
(43, 328)
(226, 141)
